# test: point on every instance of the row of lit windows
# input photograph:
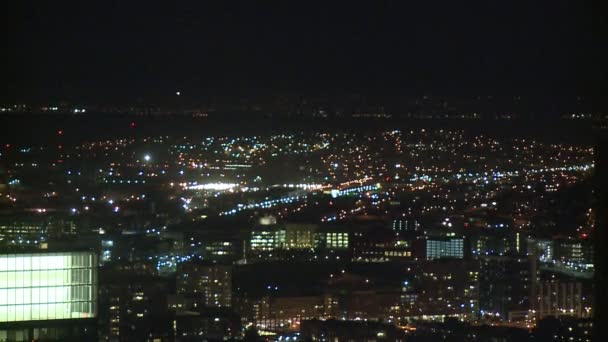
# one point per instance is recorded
(55, 294)
(402, 225)
(22, 228)
(45, 261)
(267, 240)
(398, 254)
(29, 312)
(17, 279)
(337, 240)
(47, 286)
(438, 249)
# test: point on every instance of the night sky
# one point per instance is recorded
(121, 51)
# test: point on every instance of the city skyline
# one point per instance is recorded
(259, 171)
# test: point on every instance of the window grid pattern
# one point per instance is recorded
(337, 240)
(47, 286)
(452, 248)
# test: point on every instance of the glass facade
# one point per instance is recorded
(46, 286)
(452, 248)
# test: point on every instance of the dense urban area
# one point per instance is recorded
(271, 171)
(319, 234)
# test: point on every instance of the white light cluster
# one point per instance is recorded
(213, 186)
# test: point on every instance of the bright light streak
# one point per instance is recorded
(213, 186)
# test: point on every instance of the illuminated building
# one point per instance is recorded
(333, 238)
(405, 225)
(562, 298)
(378, 245)
(300, 236)
(219, 250)
(266, 240)
(48, 295)
(574, 251)
(35, 228)
(336, 240)
(205, 285)
(29, 229)
(106, 250)
(276, 242)
(543, 248)
(440, 289)
(497, 242)
(437, 248)
(266, 237)
(212, 246)
(284, 313)
(399, 251)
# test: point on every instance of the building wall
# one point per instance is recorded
(207, 285)
(451, 248)
(48, 296)
(47, 286)
(561, 298)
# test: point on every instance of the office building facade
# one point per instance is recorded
(47, 293)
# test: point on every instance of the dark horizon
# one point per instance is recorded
(125, 53)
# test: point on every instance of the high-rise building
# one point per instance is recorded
(562, 298)
(205, 285)
(134, 307)
(48, 296)
(506, 285)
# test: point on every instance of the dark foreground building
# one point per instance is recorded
(334, 330)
